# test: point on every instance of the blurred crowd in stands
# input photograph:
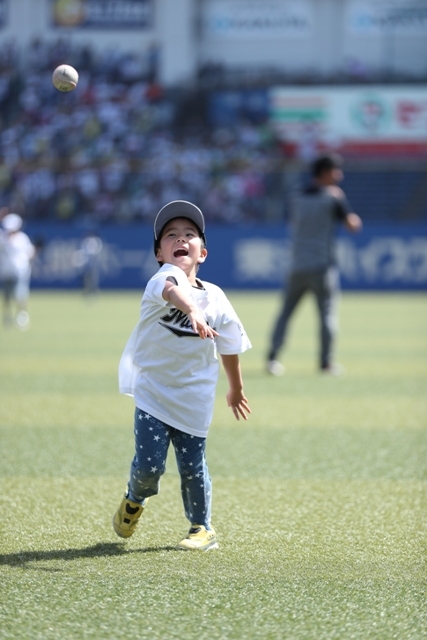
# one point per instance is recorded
(110, 151)
(120, 146)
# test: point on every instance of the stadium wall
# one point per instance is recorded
(383, 257)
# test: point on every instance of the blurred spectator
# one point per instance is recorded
(108, 152)
(120, 145)
(16, 253)
(87, 260)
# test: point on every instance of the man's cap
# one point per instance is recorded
(179, 209)
(12, 222)
(326, 162)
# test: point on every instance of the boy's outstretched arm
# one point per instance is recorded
(182, 301)
(235, 397)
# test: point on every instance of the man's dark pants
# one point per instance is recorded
(324, 284)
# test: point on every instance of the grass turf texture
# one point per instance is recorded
(319, 500)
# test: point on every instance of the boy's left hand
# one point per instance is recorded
(239, 404)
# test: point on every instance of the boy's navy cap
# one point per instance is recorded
(178, 209)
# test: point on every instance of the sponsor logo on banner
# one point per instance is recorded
(260, 260)
(292, 112)
(385, 260)
(389, 114)
(411, 114)
(371, 113)
(374, 18)
(59, 261)
(254, 18)
(124, 14)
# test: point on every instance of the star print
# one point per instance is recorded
(184, 450)
(156, 438)
(149, 459)
(153, 469)
(140, 416)
(147, 416)
(150, 428)
(189, 477)
(140, 446)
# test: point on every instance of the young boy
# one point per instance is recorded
(170, 366)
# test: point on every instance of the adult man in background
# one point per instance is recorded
(315, 212)
(16, 254)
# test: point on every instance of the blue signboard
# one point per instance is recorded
(3, 9)
(382, 257)
(114, 14)
(226, 108)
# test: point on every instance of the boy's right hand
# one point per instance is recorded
(182, 301)
(200, 325)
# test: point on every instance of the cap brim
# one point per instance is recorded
(178, 209)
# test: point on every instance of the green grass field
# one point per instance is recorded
(319, 500)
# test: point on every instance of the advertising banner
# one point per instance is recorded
(104, 14)
(257, 18)
(368, 114)
(383, 257)
(376, 17)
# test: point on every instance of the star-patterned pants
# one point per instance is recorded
(152, 440)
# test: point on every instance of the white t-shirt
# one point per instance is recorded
(171, 372)
(16, 252)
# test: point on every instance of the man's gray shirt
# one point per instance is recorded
(315, 212)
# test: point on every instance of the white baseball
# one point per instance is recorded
(65, 78)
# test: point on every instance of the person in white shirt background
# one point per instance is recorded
(16, 254)
(170, 366)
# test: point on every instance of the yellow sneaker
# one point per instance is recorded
(199, 538)
(126, 517)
